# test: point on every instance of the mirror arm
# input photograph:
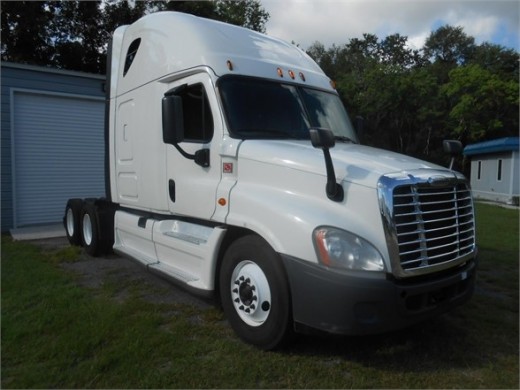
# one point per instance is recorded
(452, 161)
(324, 139)
(201, 157)
(334, 190)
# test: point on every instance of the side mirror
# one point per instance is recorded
(324, 139)
(173, 126)
(172, 119)
(453, 148)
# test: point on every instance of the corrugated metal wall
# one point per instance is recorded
(58, 154)
(19, 81)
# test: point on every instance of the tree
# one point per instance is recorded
(77, 42)
(497, 59)
(249, 14)
(74, 34)
(446, 48)
(449, 45)
(483, 105)
(26, 31)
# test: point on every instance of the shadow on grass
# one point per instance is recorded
(461, 339)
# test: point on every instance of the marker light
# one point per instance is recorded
(229, 65)
(222, 201)
(333, 84)
(279, 71)
(302, 76)
(291, 74)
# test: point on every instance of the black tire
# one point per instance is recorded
(71, 221)
(90, 236)
(255, 293)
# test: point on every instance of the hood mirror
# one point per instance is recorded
(324, 139)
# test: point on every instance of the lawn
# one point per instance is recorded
(57, 333)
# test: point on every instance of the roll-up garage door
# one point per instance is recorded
(58, 154)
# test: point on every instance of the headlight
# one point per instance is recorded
(340, 249)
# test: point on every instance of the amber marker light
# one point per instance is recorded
(279, 71)
(321, 236)
(229, 65)
(333, 84)
(222, 201)
(291, 74)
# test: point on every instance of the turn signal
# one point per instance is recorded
(222, 201)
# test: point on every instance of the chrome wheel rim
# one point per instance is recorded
(250, 293)
(87, 229)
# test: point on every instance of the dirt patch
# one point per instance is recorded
(124, 274)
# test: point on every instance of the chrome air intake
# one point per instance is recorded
(429, 221)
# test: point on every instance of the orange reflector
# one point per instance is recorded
(229, 65)
(222, 202)
(333, 84)
(279, 71)
(302, 76)
(321, 237)
(291, 74)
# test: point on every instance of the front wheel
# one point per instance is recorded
(255, 293)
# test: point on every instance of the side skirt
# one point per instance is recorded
(184, 251)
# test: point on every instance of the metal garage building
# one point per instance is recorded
(52, 149)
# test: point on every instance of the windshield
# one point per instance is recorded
(266, 109)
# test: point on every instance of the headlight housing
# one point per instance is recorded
(338, 248)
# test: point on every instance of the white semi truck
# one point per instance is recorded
(233, 169)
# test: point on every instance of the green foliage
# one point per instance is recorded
(450, 45)
(249, 14)
(413, 99)
(483, 103)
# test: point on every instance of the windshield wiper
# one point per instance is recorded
(267, 133)
(342, 138)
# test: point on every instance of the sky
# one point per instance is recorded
(337, 21)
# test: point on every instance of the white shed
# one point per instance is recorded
(495, 170)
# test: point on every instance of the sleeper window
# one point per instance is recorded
(130, 55)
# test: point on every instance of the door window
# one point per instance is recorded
(198, 120)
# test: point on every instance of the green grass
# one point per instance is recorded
(56, 334)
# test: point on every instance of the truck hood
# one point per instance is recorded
(353, 163)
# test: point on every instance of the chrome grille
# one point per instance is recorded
(429, 221)
(433, 225)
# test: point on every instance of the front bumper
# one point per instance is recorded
(354, 304)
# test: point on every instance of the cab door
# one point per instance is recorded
(191, 186)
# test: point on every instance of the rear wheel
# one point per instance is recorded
(71, 221)
(90, 236)
(255, 293)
